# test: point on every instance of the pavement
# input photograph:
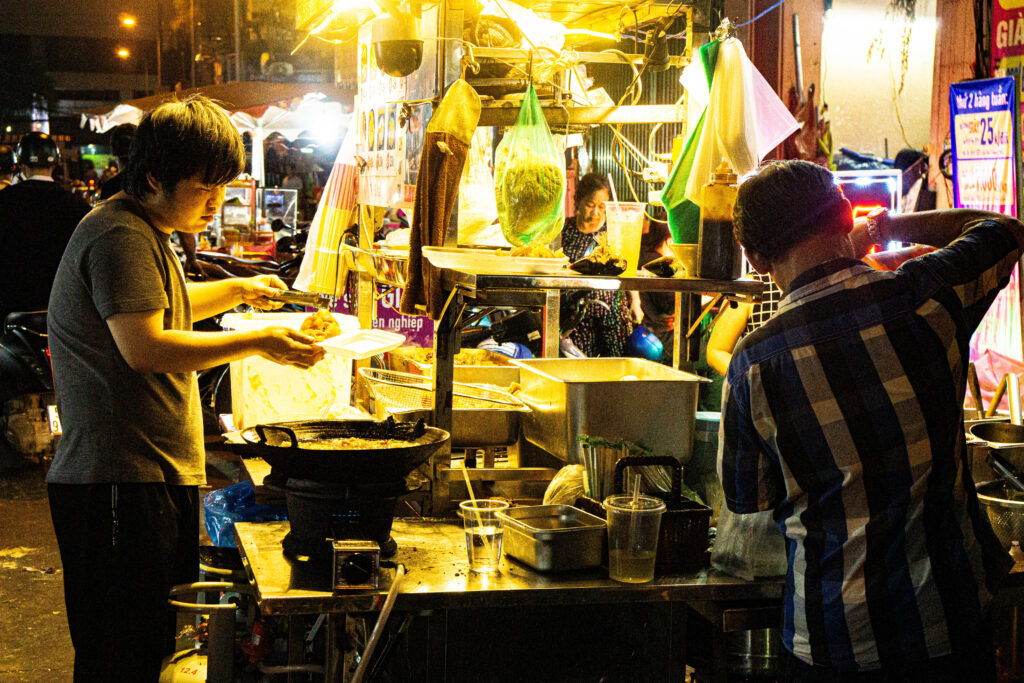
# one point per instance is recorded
(35, 646)
(34, 640)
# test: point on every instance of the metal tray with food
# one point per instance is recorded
(493, 261)
(553, 537)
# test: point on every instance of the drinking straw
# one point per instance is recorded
(611, 186)
(476, 510)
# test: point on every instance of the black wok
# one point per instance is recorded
(281, 445)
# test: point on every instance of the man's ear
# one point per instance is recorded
(845, 224)
(153, 183)
(760, 264)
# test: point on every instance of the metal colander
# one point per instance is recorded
(405, 391)
(1005, 514)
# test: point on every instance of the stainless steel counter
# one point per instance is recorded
(434, 553)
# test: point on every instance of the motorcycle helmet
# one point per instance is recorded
(37, 150)
(8, 160)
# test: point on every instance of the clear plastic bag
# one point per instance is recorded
(235, 503)
(748, 546)
(529, 178)
(565, 487)
(477, 210)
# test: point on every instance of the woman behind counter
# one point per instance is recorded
(607, 321)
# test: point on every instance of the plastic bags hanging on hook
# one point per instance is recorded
(529, 178)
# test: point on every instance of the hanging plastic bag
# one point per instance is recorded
(565, 487)
(477, 210)
(748, 546)
(529, 178)
(235, 503)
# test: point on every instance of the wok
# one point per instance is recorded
(282, 445)
(998, 432)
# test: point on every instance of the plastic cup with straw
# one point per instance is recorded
(473, 512)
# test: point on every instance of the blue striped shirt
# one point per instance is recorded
(843, 415)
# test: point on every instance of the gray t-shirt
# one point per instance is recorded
(120, 425)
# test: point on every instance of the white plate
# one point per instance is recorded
(255, 320)
(493, 261)
(360, 344)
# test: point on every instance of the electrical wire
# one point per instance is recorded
(751, 21)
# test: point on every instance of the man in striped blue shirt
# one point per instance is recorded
(843, 415)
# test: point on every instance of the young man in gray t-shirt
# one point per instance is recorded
(123, 486)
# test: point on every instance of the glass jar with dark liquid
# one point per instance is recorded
(718, 255)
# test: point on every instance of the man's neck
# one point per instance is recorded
(809, 254)
(41, 174)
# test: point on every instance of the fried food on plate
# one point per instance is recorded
(536, 251)
(320, 325)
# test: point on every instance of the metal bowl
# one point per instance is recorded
(1000, 433)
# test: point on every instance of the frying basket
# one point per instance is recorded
(1005, 514)
(405, 391)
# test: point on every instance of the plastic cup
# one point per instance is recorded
(625, 229)
(633, 528)
(484, 532)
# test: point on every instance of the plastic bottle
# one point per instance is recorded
(718, 254)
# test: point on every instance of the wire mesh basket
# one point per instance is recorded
(1005, 514)
(405, 391)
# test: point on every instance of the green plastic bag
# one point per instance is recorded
(529, 178)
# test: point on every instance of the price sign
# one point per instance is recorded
(982, 119)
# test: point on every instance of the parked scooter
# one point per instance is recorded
(29, 426)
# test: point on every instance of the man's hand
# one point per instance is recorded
(288, 347)
(257, 290)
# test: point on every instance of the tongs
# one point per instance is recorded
(294, 296)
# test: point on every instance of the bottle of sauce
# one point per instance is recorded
(718, 253)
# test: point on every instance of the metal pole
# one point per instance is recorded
(192, 38)
(238, 44)
(159, 46)
(797, 60)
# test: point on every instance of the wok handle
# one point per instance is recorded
(975, 388)
(644, 460)
(1000, 390)
(291, 435)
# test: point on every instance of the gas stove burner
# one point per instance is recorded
(319, 512)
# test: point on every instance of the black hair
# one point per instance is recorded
(589, 184)
(121, 141)
(184, 139)
(784, 204)
(657, 232)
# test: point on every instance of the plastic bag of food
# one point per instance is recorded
(476, 201)
(529, 178)
(565, 487)
(748, 546)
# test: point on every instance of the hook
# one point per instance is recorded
(725, 30)
(468, 60)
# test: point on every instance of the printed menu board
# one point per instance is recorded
(982, 119)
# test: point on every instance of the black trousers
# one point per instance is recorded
(975, 663)
(123, 546)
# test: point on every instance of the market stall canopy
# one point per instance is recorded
(234, 96)
(255, 107)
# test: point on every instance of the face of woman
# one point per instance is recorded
(590, 211)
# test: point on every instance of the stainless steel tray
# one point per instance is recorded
(553, 537)
(474, 427)
(571, 397)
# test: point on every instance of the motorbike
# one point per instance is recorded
(29, 425)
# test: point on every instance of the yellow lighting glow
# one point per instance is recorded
(128, 21)
(123, 53)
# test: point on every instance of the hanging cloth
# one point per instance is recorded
(445, 146)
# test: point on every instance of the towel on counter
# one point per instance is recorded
(445, 147)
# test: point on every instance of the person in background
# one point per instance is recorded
(120, 146)
(607, 316)
(37, 217)
(658, 308)
(8, 165)
(124, 484)
(843, 415)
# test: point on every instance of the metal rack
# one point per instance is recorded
(543, 291)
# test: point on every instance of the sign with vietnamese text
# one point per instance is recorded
(1007, 30)
(982, 120)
